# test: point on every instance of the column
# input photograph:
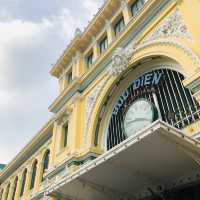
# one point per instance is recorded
(28, 180)
(110, 32)
(78, 65)
(4, 193)
(96, 51)
(190, 13)
(126, 11)
(61, 82)
(11, 189)
(76, 125)
(18, 189)
(39, 173)
(53, 144)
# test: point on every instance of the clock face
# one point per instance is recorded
(139, 115)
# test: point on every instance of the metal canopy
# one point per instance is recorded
(159, 157)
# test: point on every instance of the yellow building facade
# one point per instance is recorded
(129, 90)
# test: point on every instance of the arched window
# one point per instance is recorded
(33, 176)
(14, 188)
(23, 182)
(64, 138)
(1, 194)
(163, 93)
(46, 163)
(7, 191)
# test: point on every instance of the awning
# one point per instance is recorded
(158, 158)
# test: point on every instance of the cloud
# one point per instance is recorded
(92, 5)
(32, 38)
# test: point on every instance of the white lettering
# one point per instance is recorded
(148, 79)
(156, 78)
(136, 84)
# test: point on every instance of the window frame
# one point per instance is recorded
(1, 194)
(135, 7)
(24, 177)
(69, 76)
(90, 60)
(103, 44)
(119, 25)
(7, 192)
(65, 135)
(33, 175)
(15, 188)
(45, 166)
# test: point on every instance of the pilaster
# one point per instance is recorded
(126, 11)
(96, 50)
(28, 180)
(110, 32)
(190, 13)
(193, 84)
(38, 173)
(61, 82)
(4, 193)
(18, 189)
(78, 65)
(76, 125)
(11, 190)
(53, 144)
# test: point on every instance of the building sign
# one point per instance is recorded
(149, 79)
(164, 89)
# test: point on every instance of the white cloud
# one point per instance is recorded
(27, 50)
(92, 6)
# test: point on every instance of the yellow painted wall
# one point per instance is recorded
(181, 52)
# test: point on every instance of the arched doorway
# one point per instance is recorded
(158, 88)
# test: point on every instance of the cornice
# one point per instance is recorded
(75, 85)
(152, 8)
(83, 39)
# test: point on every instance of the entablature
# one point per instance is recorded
(82, 40)
(136, 30)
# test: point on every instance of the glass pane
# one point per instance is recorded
(65, 135)
(33, 175)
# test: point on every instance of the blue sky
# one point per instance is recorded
(33, 34)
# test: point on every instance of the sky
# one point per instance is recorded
(33, 35)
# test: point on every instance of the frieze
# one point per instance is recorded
(115, 70)
(173, 25)
(166, 42)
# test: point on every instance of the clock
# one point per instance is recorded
(139, 115)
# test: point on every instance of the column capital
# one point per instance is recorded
(108, 23)
(126, 11)
(124, 4)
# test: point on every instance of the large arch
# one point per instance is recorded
(179, 53)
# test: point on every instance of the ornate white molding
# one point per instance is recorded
(63, 116)
(165, 42)
(120, 61)
(123, 62)
(90, 103)
(172, 25)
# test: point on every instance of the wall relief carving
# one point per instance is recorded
(173, 25)
(90, 103)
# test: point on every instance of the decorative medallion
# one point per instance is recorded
(120, 60)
